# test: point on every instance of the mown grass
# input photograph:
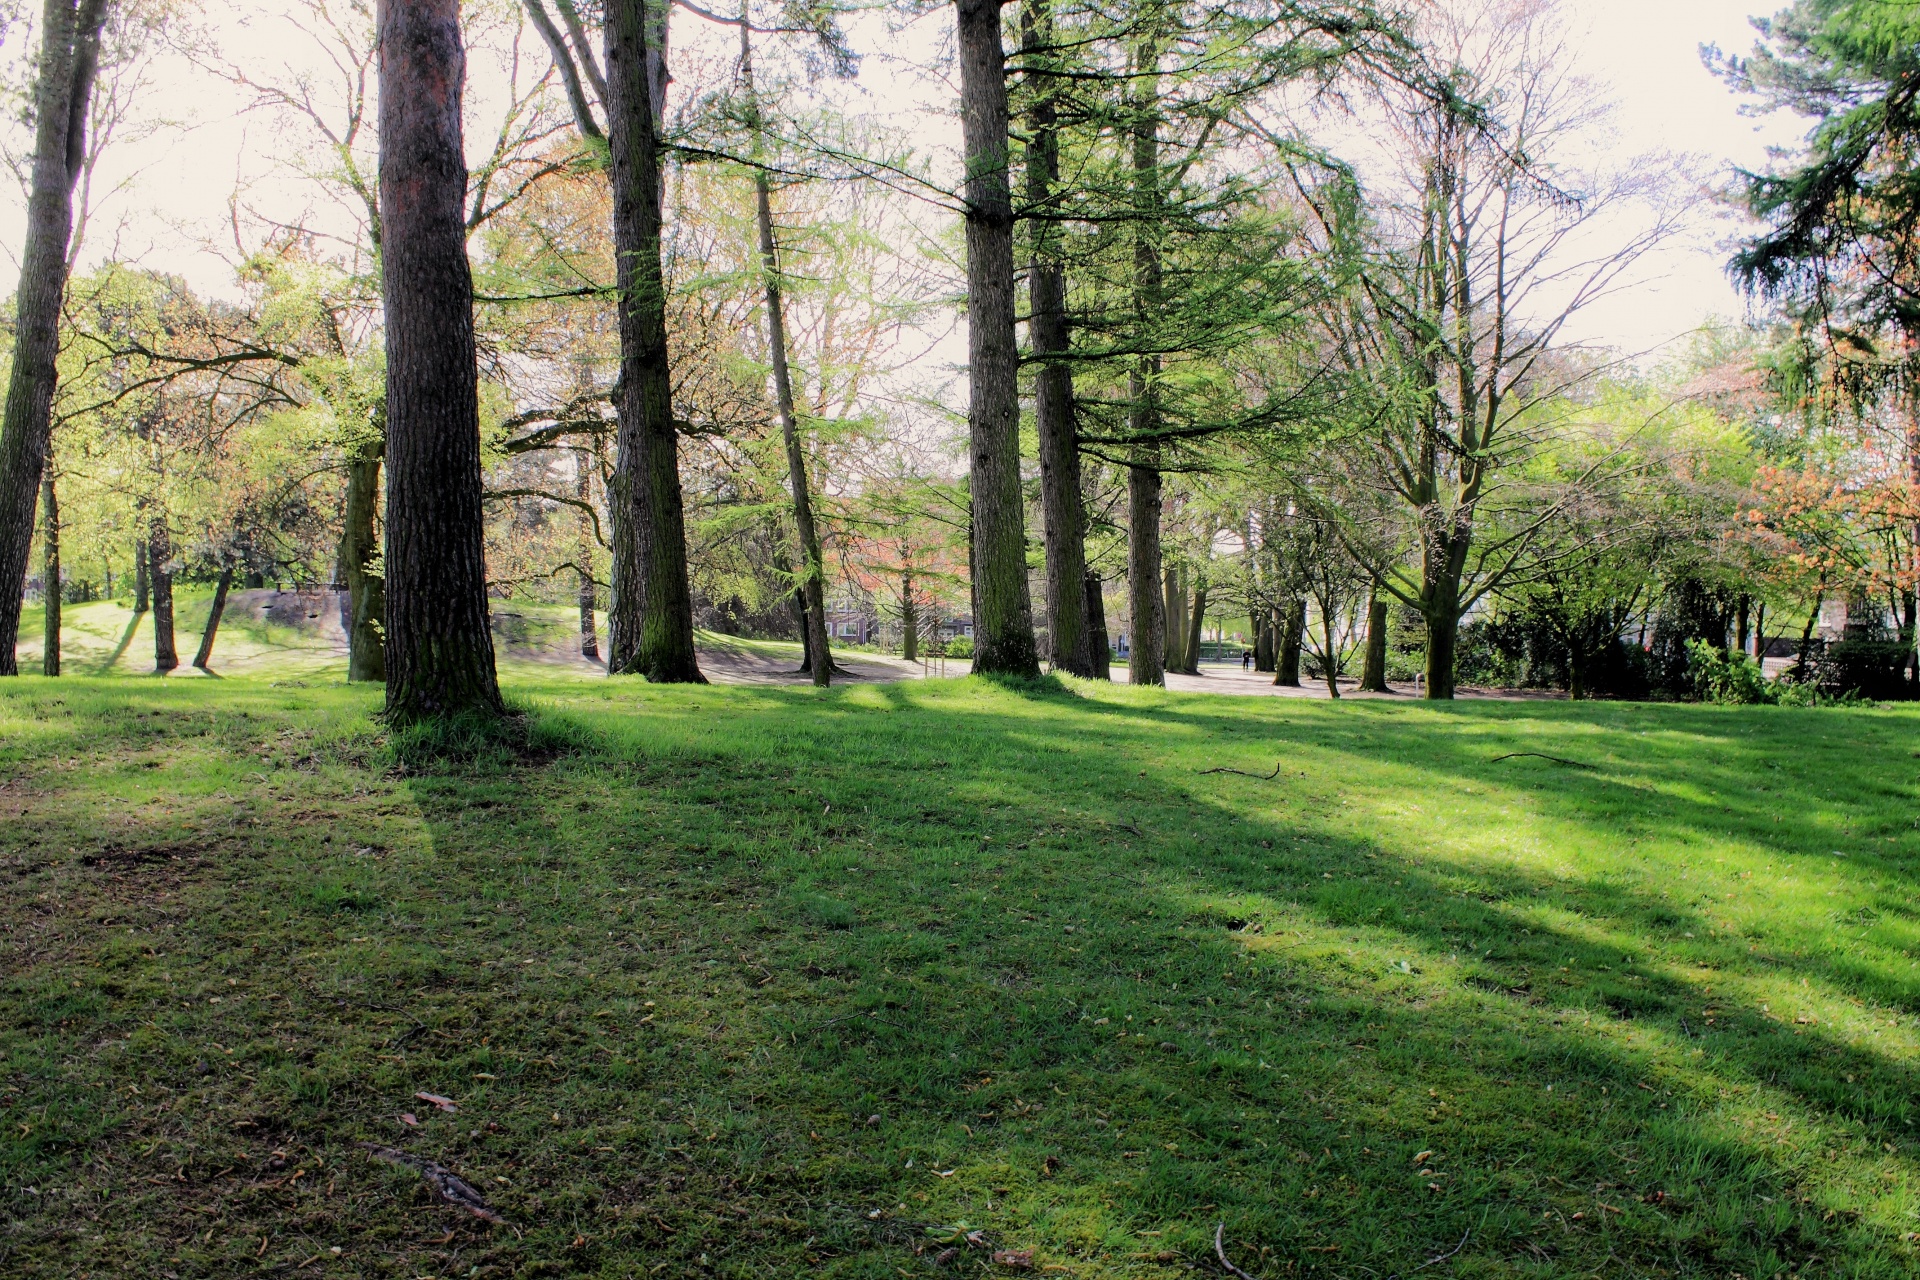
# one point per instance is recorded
(760, 981)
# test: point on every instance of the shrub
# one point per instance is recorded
(1720, 675)
(960, 647)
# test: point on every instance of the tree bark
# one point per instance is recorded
(141, 602)
(50, 575)
(1146, 664)
(1373, 673)
(1173, 611)
(583, 550)
(1196, 621)
(1003, 607)
(366, 591)
(1149, 659)
(813, 570)
(909, 618)
(159, 551)
(70, 36)
(440, 660)
(1443, 639)
(1069, 640)
(651, 622)
(215, 612)
(1099, 652)
(1286, 667)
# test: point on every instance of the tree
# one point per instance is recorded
(1840, 251)
(1003, 608)
(439, 643)
(652, 615)
(69, 48)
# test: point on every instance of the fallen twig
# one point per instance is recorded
(1220, 1252)
(1515, 755)
(446, 1184)
(1257, 777)
(1443, 1257)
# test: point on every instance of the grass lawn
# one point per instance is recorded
(767, 982)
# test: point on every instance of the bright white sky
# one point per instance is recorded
(175, 206)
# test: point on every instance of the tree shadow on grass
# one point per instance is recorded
(671, 973)
(913, 955)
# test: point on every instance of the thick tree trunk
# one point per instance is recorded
(1146, 664)
(1099, 651)
(159, 552)
(1286, 667)
(1740, 624)
(70, 35)
(50, 575)
(1196, 621)
(1373, 673)
(909, 618)
(583, 552)
(439, 646)
(1069, 640)
(366, 591)
(215, 612)
(1003, 607)
(141, 601)
(651, 622)
(1263, 642)
(1443, 638)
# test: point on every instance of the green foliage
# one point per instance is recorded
(960, 647)
(1723, 675)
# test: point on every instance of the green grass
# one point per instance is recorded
(1656, 1017)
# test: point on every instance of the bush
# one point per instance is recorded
(1720, 675)
(960, 647)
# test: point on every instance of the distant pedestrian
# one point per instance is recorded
(1246, 659)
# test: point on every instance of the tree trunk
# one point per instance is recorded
(70, 37)
(1195, 626)
(1099, 651)
(1173, 613)
(1263, 641)
(215, 612)
(583, 551)
(1373, 673)
(1149, 621)
(1286, 667)
(1740, 623)
(50, 575)
(366, 591)
(1003, 608)
(1576, 672)
(1146, 664)
(141, 602)
(1806, 632)
(813, 570)
(439, 643)
(1069, 640)
(1443, 637)
(159, 551)
(909, 618)
(1759, 650)
(798, 602)
(651, 622)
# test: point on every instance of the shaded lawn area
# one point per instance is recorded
(757, 981)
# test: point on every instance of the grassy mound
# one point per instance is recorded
(755, 981)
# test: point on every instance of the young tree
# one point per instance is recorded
(69, 47)
(439, 643)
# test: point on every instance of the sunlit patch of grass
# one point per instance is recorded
(670, 951)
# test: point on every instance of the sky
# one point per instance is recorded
(166, 200)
